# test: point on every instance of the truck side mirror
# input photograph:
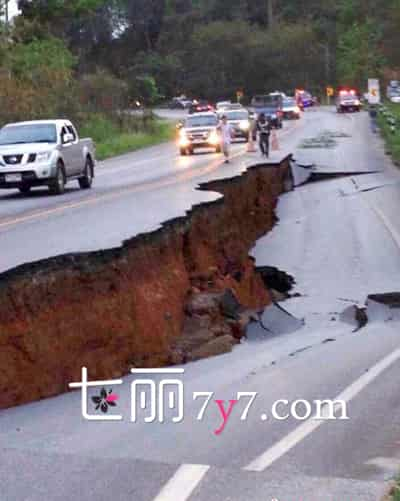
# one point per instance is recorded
(67, 138)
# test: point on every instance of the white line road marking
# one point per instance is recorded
(392, 230)
(159, 182)
(298, 434)
(183, 483)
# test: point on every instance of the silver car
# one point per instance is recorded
(44, 152)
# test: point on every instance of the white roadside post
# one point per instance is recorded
(374, 93)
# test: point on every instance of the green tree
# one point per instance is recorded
(144, 88)
(359, 55)
(27, 61)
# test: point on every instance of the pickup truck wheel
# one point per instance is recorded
(24, 189)
(57, 185)
(86, 181)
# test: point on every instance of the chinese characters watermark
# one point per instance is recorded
(158, 395)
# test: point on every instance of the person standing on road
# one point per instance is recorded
(226, 132)
(373, 113)
(264, 130)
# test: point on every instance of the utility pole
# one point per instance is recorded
(5, 12)
(327, 63)
(270, 9)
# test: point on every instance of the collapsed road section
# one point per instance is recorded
(177, 294)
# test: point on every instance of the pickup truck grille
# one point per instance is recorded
(201, 134)
(12, 159)
(198, 136)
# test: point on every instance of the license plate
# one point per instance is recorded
(13, 178)
(198, 141)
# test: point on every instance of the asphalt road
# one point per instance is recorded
(339, 237)
(135, 193)
(132, 194)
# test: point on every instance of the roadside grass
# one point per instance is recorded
(112, 140)
(394, 494)
(392, 139)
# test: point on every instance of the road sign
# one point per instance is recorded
(330, 91)
(374, 93)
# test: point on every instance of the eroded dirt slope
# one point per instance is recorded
(115, 309)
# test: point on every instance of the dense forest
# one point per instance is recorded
(110, 52)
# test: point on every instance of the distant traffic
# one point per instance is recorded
(202, 127)
(50, 152)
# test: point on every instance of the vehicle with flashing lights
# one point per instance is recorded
(199, 130)
(304, 99)
(45, 153)
(348, 101)
(239, 120)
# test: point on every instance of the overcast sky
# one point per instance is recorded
(13, 7)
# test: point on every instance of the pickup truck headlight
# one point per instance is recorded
(44, 156)
(214, 138)
(183, 140)
(244, 125)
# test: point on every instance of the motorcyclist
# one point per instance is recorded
(264, 131)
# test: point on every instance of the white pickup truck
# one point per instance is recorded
(44, 153)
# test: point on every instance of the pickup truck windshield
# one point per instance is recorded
(266, 102)
(237, 115)
(289, 102)
(200, 121)
(344, 96)
(22, 134)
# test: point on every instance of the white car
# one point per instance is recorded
(199, 131)
(44, 153)
(291, 111)
(222, 105)
(240, 121)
